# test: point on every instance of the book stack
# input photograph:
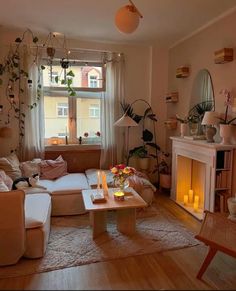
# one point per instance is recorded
(221, 198)
(98, 197)
(222, 179)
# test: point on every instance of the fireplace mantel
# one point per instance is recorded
(194, 164)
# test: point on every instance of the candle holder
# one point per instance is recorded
(119, 196)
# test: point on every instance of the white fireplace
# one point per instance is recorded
(195, 171)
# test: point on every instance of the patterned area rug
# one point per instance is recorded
(71, 242)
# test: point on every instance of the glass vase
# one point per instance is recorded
(122, 184)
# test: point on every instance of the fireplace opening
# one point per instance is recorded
(190, 185)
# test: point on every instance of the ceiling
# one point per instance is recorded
(164, 21)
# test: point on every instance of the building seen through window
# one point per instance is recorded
(75, 116)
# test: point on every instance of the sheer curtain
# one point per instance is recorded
(112, 143)
(33, 139)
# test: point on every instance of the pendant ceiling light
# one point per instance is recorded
(127, 18)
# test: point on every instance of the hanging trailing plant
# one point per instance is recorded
(15, 79)
(67, 81)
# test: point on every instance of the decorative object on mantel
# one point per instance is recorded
(127, 18)
(183, 124)
(209, 120)
(225, 122)
(172, 97)
(225, 133)
(182, 72)
(224, 55)
(171, 123)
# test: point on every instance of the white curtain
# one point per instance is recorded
(112, 143)
(33, 140)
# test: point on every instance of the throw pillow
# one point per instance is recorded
(3, 186)
(53, 169)
(6, 179)
(11, 166)
(29, 168)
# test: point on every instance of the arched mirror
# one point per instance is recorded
(202, 90)
(202, 97)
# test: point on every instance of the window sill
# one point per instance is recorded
(73, 147)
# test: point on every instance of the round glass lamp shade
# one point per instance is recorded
(127, 19)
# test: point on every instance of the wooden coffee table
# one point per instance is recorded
(126, 210)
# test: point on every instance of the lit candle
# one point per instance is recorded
(98, 179)
(104, 183)
(196, 203)
(119, 196)
(190, 196)
(185, 199)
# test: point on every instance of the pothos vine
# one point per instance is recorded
(15, 79)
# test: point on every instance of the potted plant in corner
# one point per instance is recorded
(149, 148)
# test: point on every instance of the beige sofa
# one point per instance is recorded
(24, 225)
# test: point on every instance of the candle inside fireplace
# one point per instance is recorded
(196, 203)
(190, 196)
(185, 199)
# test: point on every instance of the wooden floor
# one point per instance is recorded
(170, 270)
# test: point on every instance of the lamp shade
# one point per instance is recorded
(125, 121)
(127, 19)
(210, 118)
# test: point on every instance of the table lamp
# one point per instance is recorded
(210, 119)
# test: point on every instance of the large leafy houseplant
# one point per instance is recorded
(149, 147)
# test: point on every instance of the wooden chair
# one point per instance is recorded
(219, 233)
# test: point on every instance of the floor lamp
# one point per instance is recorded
(126, 121)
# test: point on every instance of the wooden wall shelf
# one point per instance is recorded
(172, 97)
(171, 123)
(224, 55)
(182, 72)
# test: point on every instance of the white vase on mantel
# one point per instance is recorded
(225, 133)
(183, 129)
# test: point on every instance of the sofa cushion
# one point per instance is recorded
(53, 169)
(11, 166)
(6, 179)
(30, 168)
(3, 186)
(36, 209)
(70, 184)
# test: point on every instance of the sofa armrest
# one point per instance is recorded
(12, 226)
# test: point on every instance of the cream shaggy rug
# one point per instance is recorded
(71, 242)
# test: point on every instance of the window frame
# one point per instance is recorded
(81, 92)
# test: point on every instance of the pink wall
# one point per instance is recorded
(198, 53)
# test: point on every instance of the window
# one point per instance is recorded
(52, 77)
(62, 109)
(82, 110)
(94, 111)
(93, 82)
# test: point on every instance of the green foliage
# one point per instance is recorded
(67, 82)
(197, 112)
(15, 80)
